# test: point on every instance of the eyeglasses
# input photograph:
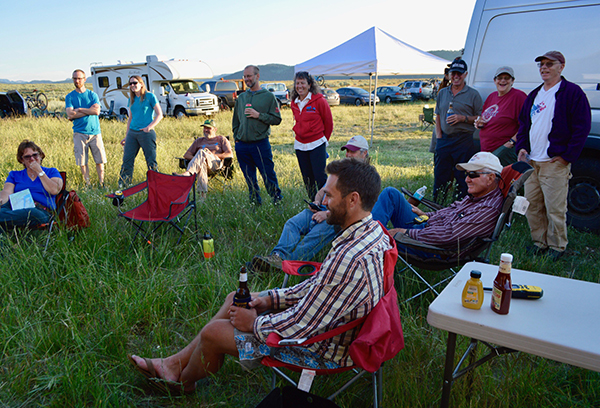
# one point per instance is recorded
(474, 174)
(31, 156)
(133, 83)
(79, 79)
(548, 64)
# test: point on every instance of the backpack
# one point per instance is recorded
(74, 211)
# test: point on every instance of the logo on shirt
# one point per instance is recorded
(310, 109)
(536, 109)
(490, 112)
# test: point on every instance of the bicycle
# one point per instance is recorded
(37, 100)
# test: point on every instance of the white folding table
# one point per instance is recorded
(564, 325)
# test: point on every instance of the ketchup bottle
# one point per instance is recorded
(502, 290)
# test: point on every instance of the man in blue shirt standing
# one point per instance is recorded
(83, 108)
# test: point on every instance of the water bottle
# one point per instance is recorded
(450, 111)
(208, 246)
(420, 193)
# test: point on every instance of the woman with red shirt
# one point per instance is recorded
(313, 127)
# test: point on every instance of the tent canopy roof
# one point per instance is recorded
(374, 52)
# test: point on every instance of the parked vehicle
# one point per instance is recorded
(418, 89)
(226, 91)
(332, 97)
(12, 103)
(280, 91)
(355, 96)
(496, 26)
(393, 94)
(172, 81)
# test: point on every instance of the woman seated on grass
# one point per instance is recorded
(44, 183)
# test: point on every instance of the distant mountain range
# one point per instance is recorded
(268, 72)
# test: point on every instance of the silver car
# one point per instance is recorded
(331, 96)
(393, 94)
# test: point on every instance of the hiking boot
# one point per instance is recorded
(265, 263)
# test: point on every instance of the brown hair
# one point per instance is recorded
(356, 175)
(312, 84)
(142, 89)
(31, 145)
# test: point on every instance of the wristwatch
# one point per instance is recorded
(43, 173)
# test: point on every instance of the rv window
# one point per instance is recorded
(119, 84)
(103, 82)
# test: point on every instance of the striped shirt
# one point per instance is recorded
(461, 221)
(348, 286)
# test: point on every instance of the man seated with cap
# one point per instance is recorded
(206, 155)
(448, 228)
(305, 234)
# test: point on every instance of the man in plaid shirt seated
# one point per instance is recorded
(347, 287)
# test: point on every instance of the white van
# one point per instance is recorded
(514, 33)
(171, 81)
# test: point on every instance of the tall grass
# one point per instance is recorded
(70, 316)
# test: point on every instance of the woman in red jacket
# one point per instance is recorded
(313, 127)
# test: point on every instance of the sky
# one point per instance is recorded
(45, 40)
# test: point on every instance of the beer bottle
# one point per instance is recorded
(242, 294)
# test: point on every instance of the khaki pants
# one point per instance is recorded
(546, 190)
(203, 164)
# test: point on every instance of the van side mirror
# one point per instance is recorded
(207, 88)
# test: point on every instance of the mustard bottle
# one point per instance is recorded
(472, 294)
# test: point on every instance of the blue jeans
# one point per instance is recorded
(19, 218)
(449, 151)
(292, 246)
(133, 141)
(392, 206)
(312, 166)
(253, 156)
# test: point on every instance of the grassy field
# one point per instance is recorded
(70, 316)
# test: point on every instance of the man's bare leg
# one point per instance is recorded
(100, 171)
(203, 356)
(86, 174)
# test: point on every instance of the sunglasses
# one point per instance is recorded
(31, 156)
(474, 174)
(548, 64)
(133, 83)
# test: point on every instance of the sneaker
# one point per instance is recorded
(535, 250)
(265, 263)
(554, 254)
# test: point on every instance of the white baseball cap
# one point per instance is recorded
(356, 143)
(480, 161)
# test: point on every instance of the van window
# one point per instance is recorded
(103, 82)
(225, 86)
(119, 84)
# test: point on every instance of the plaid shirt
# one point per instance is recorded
(348, 286)
(461, 221)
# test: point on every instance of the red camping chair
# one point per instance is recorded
(168, 203)
(379, 339)
(477, 249)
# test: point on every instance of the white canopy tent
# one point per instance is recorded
(373, 53)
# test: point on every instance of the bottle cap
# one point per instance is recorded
(506, 258)
(207, 235)
(475, 274)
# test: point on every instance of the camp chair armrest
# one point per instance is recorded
(274, 338)
(405, 240)
(128, 192)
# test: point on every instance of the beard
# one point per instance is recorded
(337, 216)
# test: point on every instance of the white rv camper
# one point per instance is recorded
(513, 33)
(172, 81)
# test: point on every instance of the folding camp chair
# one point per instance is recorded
(60, 201)
(513, 178)
(427, 118)
(110, 113)
(386, 312)
(168, 202)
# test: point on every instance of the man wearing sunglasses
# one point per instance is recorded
(554, 124)
(473, 216)
(83, 108)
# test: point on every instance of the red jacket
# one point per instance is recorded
(315, 120)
